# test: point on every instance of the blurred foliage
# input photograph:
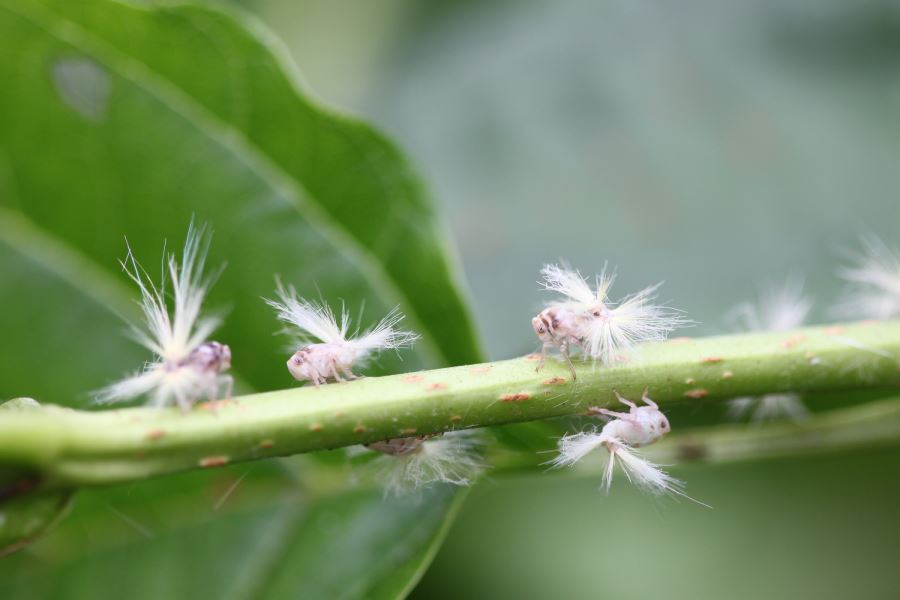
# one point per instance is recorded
(248, 531)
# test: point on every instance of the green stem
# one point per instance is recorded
(869, 426)
(91, 448)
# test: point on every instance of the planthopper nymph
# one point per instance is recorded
(329, 350)
(586, 318)
(186, 365)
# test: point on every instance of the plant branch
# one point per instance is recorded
(871, 425)
(73, 448)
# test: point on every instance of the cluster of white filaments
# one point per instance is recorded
(329, 351)
(586, 318)
(410, 464)
(778, 309)
(874, 279)
(640, 426)
(186, 366)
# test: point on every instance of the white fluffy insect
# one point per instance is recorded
(186, 366)
(874, 279)
(329, 350)
(410, 464)
(585, 317)
(778, 309)
(640, 426)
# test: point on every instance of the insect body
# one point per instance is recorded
(319, 362)
(640, 426)
(559, 327)
(330, 352)
(187, 366)
(399, 446)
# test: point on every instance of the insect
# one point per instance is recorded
(409, 464)
(778, 309)
(186, 366)
(585, 317)
(875, 282)
(640, 426)
(329, 351)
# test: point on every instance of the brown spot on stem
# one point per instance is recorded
(867, 322)
(359, 429)
(680, 340)
(481, 369)
(712, 359)
(213, 461)
(436, 386)
(413, 378)
(155, 434)
(533, 357)
(520, 397)
(793, 340)
(267, 443)
(727, 375)
(340, 414)
(834, 330)
(689, 451)
(555, 381)
(696, 393)
(408, 431)
(455, 419)
(316, 427)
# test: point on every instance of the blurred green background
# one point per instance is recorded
(717, 146)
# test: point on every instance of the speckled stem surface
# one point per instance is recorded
(76, 448)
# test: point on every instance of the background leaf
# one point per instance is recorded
(243, 532)
(119, 120)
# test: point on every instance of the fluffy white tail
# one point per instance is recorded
(385, 335)
(316, 321)
(636, 319)
(173, 337)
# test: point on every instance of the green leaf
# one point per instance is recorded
(126, 121)
(25, 517)
(236, 534)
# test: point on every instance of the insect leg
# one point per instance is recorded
(595, 410)
(348, 373)
(647, 400)
(624, 401)
(540, 364)
(564, 350)
(334, 372)
(228, 380)
(183, 403)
